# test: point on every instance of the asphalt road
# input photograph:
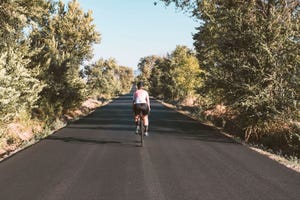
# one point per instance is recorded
(99, 158)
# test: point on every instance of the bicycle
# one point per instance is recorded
(141, 128)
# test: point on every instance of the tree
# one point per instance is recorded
(185, 72)
(101, 79)
(126, 78)
(250, 55)
(65, 36)
(19, 87)
(105, 78)
(145, 66)
(176, 76)
(162, 82)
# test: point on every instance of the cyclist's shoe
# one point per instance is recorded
(146, 131)
(137, 130)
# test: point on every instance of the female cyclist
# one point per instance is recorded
(141, 103)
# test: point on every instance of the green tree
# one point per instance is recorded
(145, 67)
(105, 78)
(18, 86)
(126, 78)
(161, 81)
(65, 36)
(176, 76)
(250, 55)
(185, 72)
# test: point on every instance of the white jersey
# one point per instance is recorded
(140, 96)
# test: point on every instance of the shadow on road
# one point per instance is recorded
(99, 141)
(86, 140)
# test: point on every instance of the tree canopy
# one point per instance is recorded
(174, 77)
(43, 48)
(249, 53)
(105, 78)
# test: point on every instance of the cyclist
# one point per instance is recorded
(140, 103)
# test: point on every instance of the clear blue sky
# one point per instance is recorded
(132, 29)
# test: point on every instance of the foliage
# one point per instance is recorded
(43, 46)
(125, 78)
(185, 72)
(145, 66)
(18, 86)
(249, 52)
(174, 77)
(65, 36)
(105, 78)
(161, 81)
(158, 78)
(190, 6)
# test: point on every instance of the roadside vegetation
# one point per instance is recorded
(44, 78)
(244, 75)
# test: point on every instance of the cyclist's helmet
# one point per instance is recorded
(140, 84)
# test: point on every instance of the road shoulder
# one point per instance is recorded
(280, 159)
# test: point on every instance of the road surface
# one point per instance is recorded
(98, 158)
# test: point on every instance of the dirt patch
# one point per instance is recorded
(2, 152)
(85, 108)
(20, 131)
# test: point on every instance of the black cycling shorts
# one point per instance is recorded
(141, 107)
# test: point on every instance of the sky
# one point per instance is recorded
(132, 29)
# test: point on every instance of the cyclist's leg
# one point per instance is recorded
(146, 124)
(136, 110)
(145, 118)
(136, 117)
(145, 111)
